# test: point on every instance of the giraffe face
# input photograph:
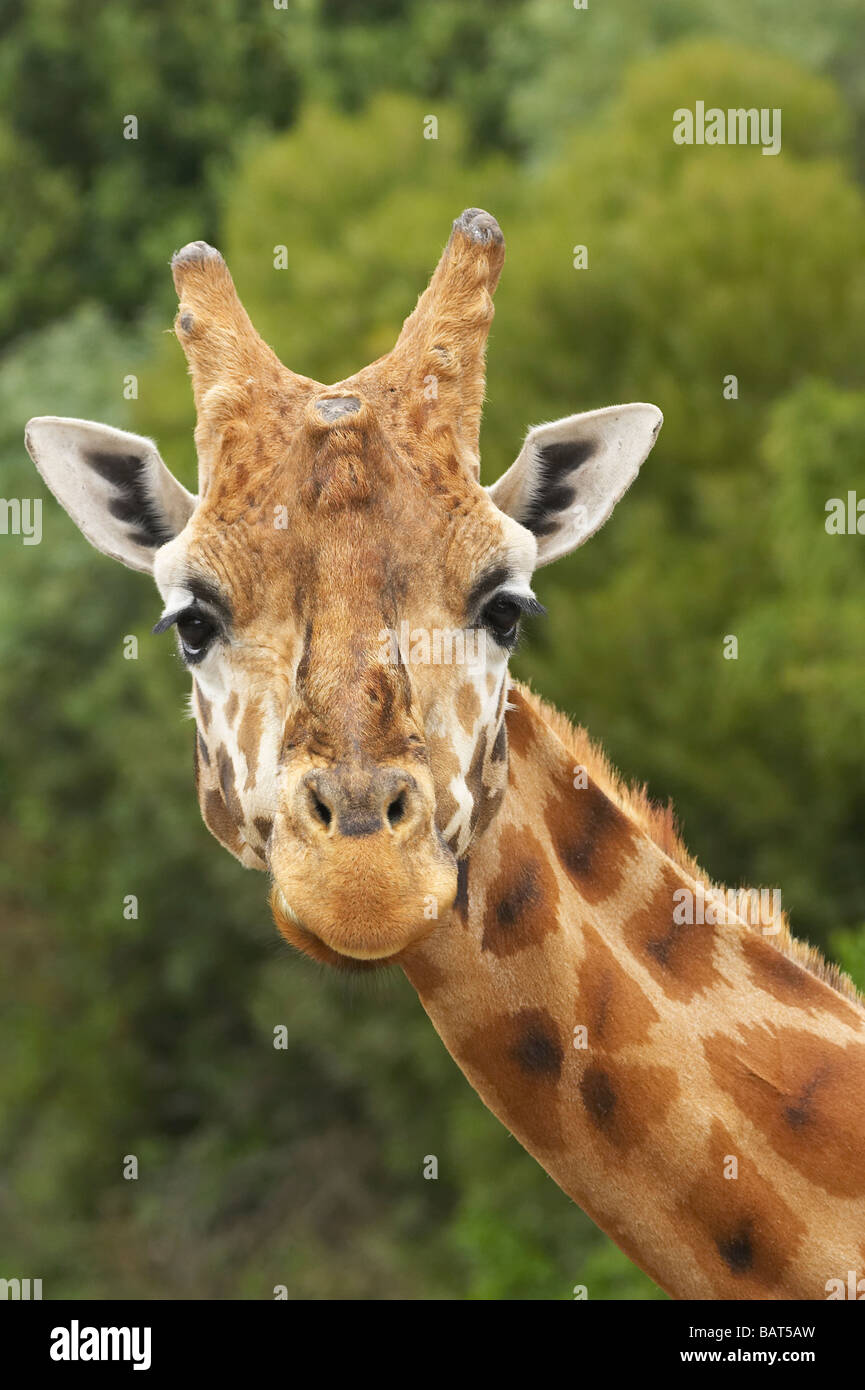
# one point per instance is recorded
(344, 592)
(348, 641)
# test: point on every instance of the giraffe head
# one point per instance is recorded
(344, 591)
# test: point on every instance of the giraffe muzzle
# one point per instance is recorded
(360, 870)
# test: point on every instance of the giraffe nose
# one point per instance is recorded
(350, 802)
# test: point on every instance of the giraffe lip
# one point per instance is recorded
(359, 901)
(357, 957)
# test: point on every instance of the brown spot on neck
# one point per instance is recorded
(610, 1004)
(792, 984)
(599, 1097)
(625, 1101)
(804, 1094)
(678, 955)
(422, 973)
(591, 837)
(743, 1234)
(735, 1248)
(515, 1062)
(522, 900)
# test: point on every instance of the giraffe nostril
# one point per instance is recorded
(320, 810)
(396, 810)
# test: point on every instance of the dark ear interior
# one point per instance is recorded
(132, 501)
(555, 484)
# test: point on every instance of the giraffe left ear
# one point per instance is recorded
(113, 484)
(570, 474)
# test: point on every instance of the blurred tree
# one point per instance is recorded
(193, 76)
(36, 266)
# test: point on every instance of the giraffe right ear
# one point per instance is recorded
(113, 484)
(570, 474)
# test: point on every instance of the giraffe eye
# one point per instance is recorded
(502, 616)
(196, 632)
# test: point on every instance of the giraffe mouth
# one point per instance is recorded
(295, 931)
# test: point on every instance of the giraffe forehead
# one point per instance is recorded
(335, 447)
(396, 550)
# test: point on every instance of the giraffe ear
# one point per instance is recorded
(114, 485)
(569, 475)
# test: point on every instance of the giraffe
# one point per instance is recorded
(695, 1083)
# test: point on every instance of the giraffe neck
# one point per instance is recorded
(696, 1090)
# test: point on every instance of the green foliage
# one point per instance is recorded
(193, 75)
(154, 1035)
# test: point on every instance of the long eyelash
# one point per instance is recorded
(190, 611)
(168, 621)
(531, 606)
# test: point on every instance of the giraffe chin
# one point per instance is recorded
(365, 924)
